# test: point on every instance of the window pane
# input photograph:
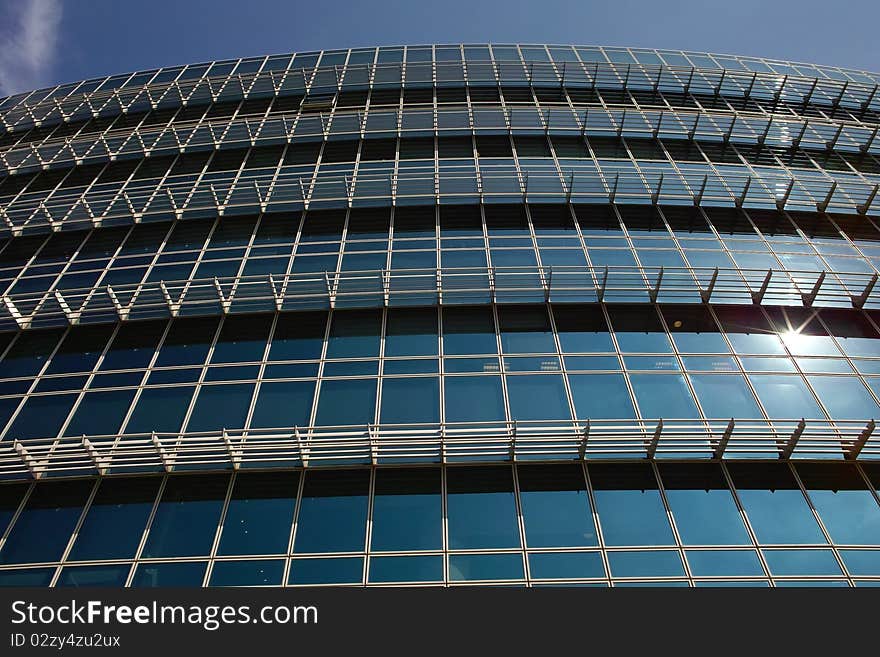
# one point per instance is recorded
(186, 519)
(27, 577)
(160, 409)
(599, 396)
(346, 401)
(555, 506)
(406, 569)
(221, 407)
(44, 526)
(260, 513)
(481, 508)
(785, 396)
(702, 505)
(729, 563)
(411, 332)
(470, 567)
(861, 562)
(326, 571)
(354, 334)
(774, 504)
(539, 397)
(845, 397)
(473, 398)
(247, 573)
(333, 512)
(525, 329)
(645, 564)
(407, 510)
(582, 329)
(638, 329)
(40, 417)
(187, 342)
(100, 413)
(413, 399)
(283, 404)
(629, 505)
(846, 506)
(10, 499)
(182, 573)
(469, 330)
(665, 396)
(85, 576)
(724, 396)
(298, 336)
(242, 339)
(117, 517)
(133, 346)
(801, 562)
(565, 565)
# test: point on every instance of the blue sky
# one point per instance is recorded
(43, 42)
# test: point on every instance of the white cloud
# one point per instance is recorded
(28, 41)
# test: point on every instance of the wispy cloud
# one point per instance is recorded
(28, 41)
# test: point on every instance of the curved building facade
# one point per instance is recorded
(442, 315)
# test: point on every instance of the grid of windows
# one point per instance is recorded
(456, 364)
(667, 523)
(442, 315)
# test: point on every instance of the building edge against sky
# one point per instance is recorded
(442, 315)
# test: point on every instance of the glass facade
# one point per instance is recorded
(442, 315)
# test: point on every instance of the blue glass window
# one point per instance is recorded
(629, 505)
(333, 512)
(525, 330)
(481, 508)
(845, 397)
(186, 518)
(407, 510)
(26, 577)
(221, 407)
(471, 567)
(664, 563)
(555, 506)
(469, 330)
(80, 349)
(539, 397)
(861, 562)
(134, 346)
(346, 401)
(40, 417)
(242, 338)
(100, 413)
(44, 526)
(582, 329)
(785, 396)
(160, 409)
(693, 329)
(180, 573)
(411, 332)
(600, 396)
(187, 342)
(406, 569)
(410, 399)
(298, 336)
(86, 576)
(266, 572)
(774, 504)
(801, 562)
(725, 563)
(10, 499)
(565, 565)
(326, 571)
(749, 331)
(473, 398)
(846, 506)
(663, 395)
(354, 334)
(638, 329)
(29, 353)
(283, 404)
(260, 513)
(116, 519)
(725, 395)
(702, 504)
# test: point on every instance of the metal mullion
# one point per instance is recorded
(146, 532)
(288, 561)
(671, 519)
(831, 544)
(756, 545)
(218, 531)
(594, 511)
(96, 483)
(260, 373)
(371, 493)
(320, 376)
(624, 371)
(520, 521)
(22, 503)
